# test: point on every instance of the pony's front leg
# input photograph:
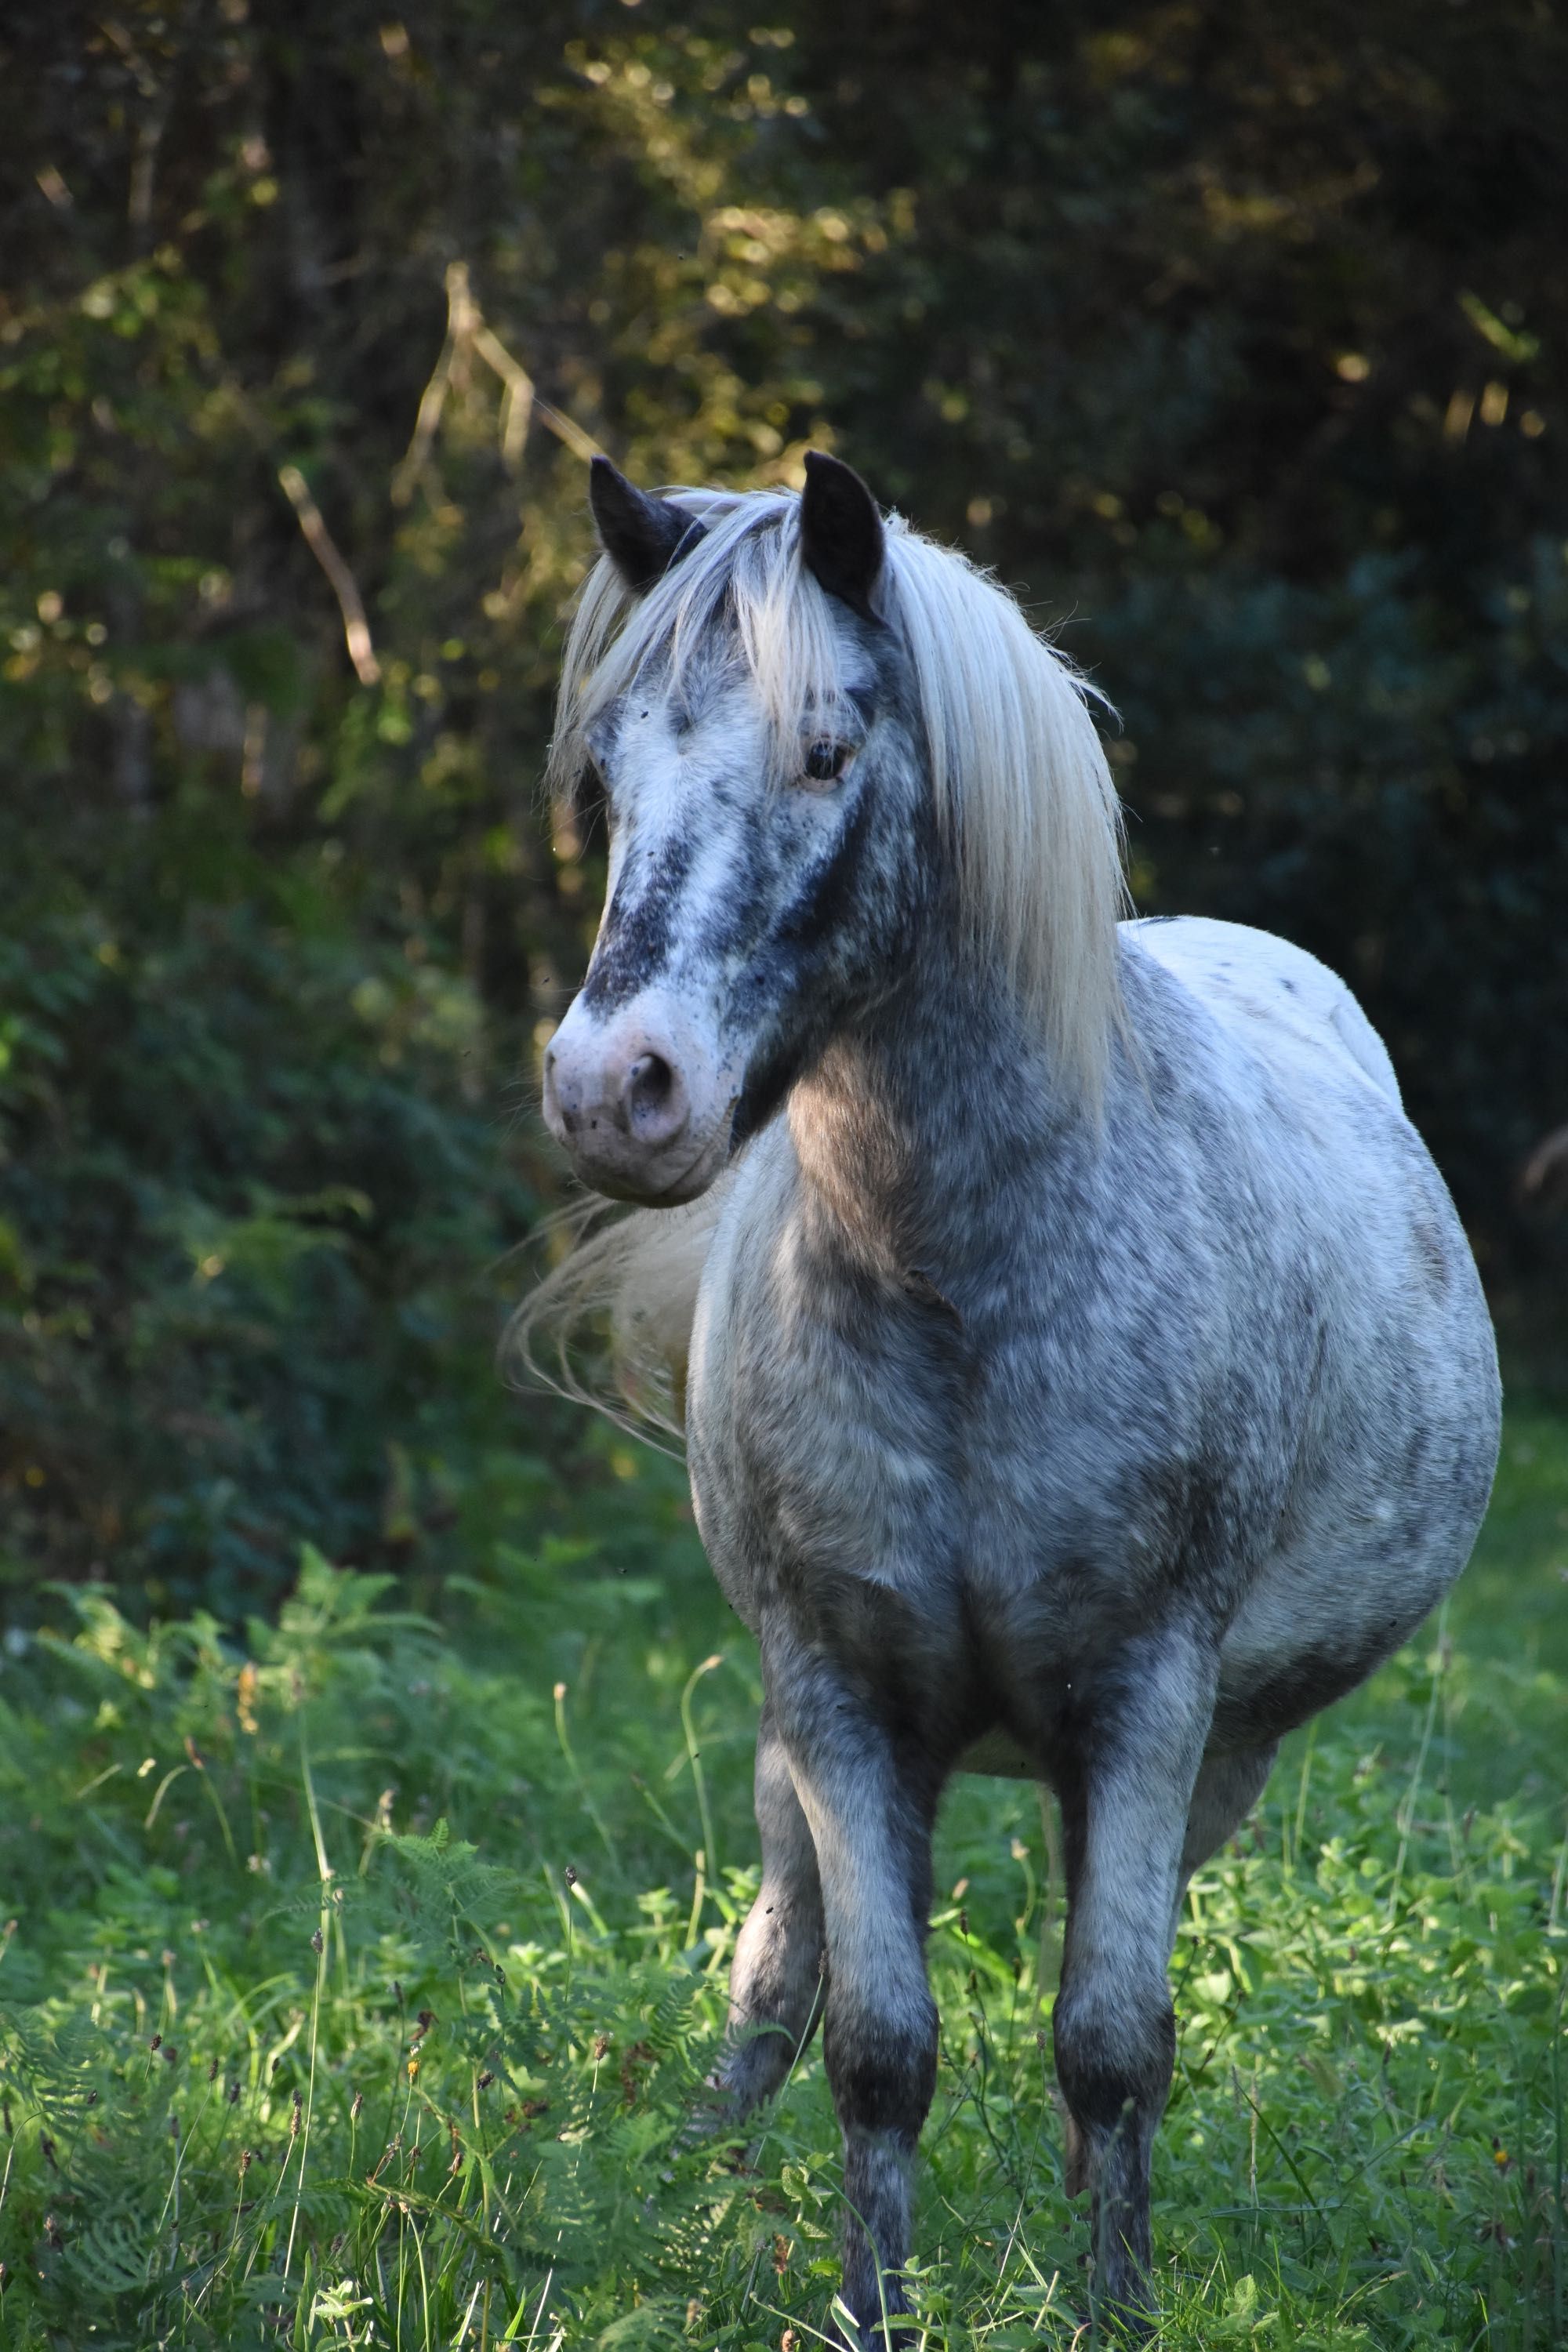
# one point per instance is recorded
(1124, 1812)
(870, 1812)
(775, 1977)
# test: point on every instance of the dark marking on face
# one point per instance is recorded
(825, 901)
(635, 942)
(813, 915)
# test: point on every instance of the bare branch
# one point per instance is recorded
(520, 389)
(461, 318)
(467, 333)
(324, 548)
(582, 445)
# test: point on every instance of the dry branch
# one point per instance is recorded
(324, 548)
(467, 335)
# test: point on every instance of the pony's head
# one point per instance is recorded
(814, 733)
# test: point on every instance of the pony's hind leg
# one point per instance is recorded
(1226, 1789)
(1124, 1812)
(870, 1806)
(775, 1977)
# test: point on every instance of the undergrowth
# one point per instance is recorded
(364, 1976)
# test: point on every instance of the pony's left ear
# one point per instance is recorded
(641, 536)
(842, 543)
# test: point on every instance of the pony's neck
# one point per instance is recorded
(923, 1118)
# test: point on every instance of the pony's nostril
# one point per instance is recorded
(650, 1082)
(560, 1115)
(654, 1098)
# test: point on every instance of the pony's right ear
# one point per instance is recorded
(641, 536)
(842, 543)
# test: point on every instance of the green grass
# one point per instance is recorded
(363, 1978)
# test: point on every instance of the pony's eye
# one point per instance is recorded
(825, 762)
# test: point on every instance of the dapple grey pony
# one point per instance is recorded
(1085, 1372)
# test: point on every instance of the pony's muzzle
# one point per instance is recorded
(636, 1113)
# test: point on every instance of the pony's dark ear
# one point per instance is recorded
(641, 536)
(841, 540)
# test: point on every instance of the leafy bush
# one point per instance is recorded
(253, 1198)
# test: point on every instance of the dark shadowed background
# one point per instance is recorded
(1234, 336)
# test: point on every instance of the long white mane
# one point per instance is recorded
(1024, 797)
(1022, 789)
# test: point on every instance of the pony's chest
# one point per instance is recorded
(858, 1430)
(826, 1431)
(1019, 1437)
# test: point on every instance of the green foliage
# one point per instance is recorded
(363, 1979)
(1237, 337)
(252, 1206)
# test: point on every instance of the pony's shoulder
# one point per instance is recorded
(1248, 978)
